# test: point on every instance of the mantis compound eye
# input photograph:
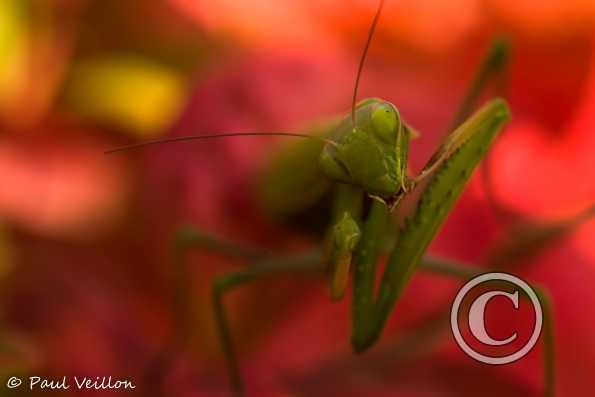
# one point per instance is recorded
(386, 122)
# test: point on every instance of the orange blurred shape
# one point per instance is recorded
(546, 18)
(428, 25)
(257, 21)
(60, 189)
(431, 26)
(434, 25)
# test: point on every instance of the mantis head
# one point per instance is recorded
(372, 153)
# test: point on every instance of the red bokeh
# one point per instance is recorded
(86, 237)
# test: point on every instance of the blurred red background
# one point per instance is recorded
(84, 237)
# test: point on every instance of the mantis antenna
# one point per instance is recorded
(214, 136)
(225, 135)
(363, 59)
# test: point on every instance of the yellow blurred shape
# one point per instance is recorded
(136, 94)
(13, 48)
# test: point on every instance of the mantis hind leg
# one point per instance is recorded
(185, 239)
(308, 263)
(263, 265)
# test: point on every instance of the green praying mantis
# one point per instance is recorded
(361, 160)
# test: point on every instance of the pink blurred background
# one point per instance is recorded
(85, 237)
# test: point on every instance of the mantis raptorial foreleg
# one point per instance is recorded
(343, 236)
(364, 276)
(463, 150)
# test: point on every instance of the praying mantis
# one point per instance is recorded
(362, 158)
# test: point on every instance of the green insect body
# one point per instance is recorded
(359, 161)
(292, 180)
(454, 162)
